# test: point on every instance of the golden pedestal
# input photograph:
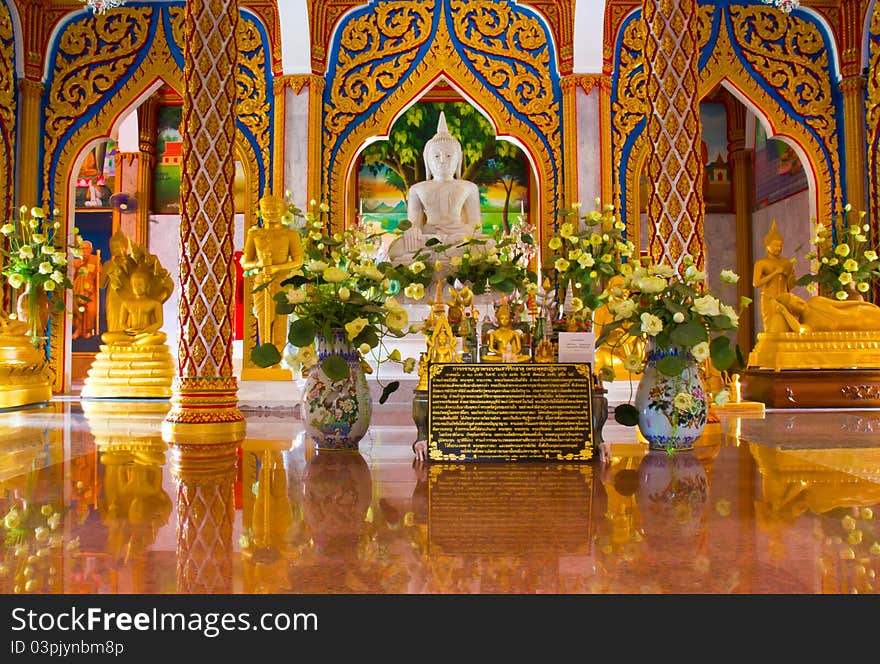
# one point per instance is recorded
(814, 370)
(816, 350)
(130, 372)
(24, 377)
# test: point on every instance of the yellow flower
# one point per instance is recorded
(633, 363)
(850, 265)
(26, 252)
(316, 267)
(365, 348)
(574, 254)
(574, 239)
(397, 319)
(561, 265)
(37, 212)
(409, 365)
(7, 229)
(577, 304)
(344, 293)
(370, 271)
(355, 327)
(722, 398)
(417, 267)
(871, 255)
(845, 278)
(415, 290)
(840, 295)
(335, 274)
(683, 401)
(842, 250)
(566, 229)
(295, 295)
(863, 287)
(45, 267)
(307, 356)
(16, 280)
(57, 277)
(554, 243)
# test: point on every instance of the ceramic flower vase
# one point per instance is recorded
(671, 497)
(337, 412)
(672, 409)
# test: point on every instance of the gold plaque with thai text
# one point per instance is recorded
(510, 412)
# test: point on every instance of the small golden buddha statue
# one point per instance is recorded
(273, 251)
(505, 341)
(773, 274)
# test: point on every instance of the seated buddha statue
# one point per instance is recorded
(505, 342)
(134, 358)
(140, 314)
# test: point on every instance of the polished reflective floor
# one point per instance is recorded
(93, 501)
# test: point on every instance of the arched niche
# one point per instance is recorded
(99, 69)
(387, 54)
(770, 81)
(10, 40)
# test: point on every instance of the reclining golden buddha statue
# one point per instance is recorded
(819, 333)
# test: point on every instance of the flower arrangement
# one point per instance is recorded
(589, 257)
(497, 264)
(849, 265)
(33, 260)
(657, 303)
(342, 285)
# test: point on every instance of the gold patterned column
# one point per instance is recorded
(146, 164)
(30, 93)
(205, 391)
(872, 114)
(7, 115)
(852, 88)
(675, 165)
(741, 160)
(205, 478)
(569, 86)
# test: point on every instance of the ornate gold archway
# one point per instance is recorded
(532, 118)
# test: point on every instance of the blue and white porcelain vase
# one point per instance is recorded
(337, 412)
(672, 409)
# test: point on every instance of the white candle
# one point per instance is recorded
(361, 202)
(522, 206)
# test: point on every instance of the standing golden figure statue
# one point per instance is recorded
(134, 360)
(774, 275)
(86, 281)
(271, 253)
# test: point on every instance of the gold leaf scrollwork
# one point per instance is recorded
(789, 54)
(253, 109)
(510, 50)
(376, 50)
(7, 110)
(94, 53)
(873, 114)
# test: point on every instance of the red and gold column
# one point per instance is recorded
(205, 392)
(675, 165)
(741, 160)
(852, 89)
(205, 477)
(146, 164)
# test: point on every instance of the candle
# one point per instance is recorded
(361, 203)
(522, 206)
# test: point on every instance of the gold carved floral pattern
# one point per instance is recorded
(7, 112)
(873, 114)
(789, 54)
(441, 59)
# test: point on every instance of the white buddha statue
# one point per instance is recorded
(443, 206)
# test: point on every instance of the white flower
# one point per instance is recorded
(722, 398)
(307, 356)
(623, 309)
(730, 312)
(652, 284)
(45, 267)
(335, 275)
(651, 325)
(316, 266)
(706, 306)
(729, 276)
(633, 363)
(26, 252)
(661, 270)
(16, 280)
(7, 229)
(700, 351)
(678, 317)
(57, 277)
(295, 295)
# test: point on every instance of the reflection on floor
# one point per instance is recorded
(92, 501)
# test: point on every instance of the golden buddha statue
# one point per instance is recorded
(619, 345)
(773, 274)
(134, 360)
(819, 333)
(504, 342)
(271, 252)
(23, 375)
